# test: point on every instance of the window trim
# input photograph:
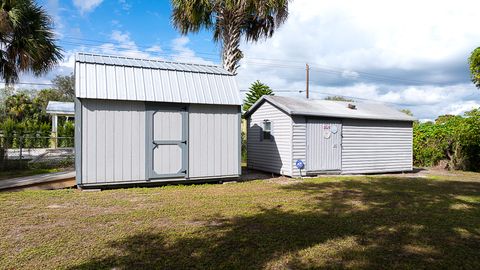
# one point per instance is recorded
(270, 131)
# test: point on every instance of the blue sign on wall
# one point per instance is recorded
(299, 164)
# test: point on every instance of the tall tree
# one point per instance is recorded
(230, 20)
(66, 86)
(27, 42)
(256, 91)
(474, 62)
(407, 112)
(338, 98)
(19, 107)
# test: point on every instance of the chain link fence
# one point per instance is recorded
(32, 151)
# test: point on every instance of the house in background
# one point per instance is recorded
(298, 137)
(59, 109)
(141, 121)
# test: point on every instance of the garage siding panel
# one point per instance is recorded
(113, 141)
(299, 147)
(213, 141)
(270, 155)
(376, 146)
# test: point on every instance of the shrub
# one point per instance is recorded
(244, 147)
(66, 133)
(455, 139)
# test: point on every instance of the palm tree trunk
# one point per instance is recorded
(231, 53)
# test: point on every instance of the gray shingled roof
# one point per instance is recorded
(337, 109)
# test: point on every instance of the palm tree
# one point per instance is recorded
(230, 20)
(27, 42)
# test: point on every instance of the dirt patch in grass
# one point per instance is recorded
(374, 222)
(282, 180)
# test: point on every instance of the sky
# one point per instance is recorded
(409, 54)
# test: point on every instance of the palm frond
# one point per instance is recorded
(192, 15)
(263, 17)
(28, 43)
(230, 20)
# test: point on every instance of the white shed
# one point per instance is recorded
(140, 121)
(327, 137)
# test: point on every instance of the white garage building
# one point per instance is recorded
(141, 121)
(327, 137)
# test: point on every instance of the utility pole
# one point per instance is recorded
(308, 72)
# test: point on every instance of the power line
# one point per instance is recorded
(338, 72)
(101, 42)
(123, 49)
(279, 91)
(315, 69)
(270, 62)
(317, 91)
(248, 60)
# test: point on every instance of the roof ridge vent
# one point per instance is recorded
(352, 106)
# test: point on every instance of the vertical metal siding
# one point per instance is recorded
(78, 141)
(270, 155)
(323, 153)
(299, 144)
(376, 146)
(113, 141)
(213, 141)
(103, 81)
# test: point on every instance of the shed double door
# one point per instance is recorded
(324, 145)
(167, 140)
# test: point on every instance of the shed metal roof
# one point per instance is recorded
(63, 108)
(124, 78)
(338, 109)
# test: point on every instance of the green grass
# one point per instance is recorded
(8, 174)
(338, 222)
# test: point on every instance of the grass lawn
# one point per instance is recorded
(8, 174)
(378, 222)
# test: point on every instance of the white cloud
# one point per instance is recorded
(182, 53)
(411, 53)
(350, 74)
(116, 23)
(125, 5)
(123, 45)
(154, 48)
(426, 102)
(422, 45)
(121, 37)
(460, 108)
(86, 5)
(373, 34)
(53, 8)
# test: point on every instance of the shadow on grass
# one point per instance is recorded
(382, 223)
